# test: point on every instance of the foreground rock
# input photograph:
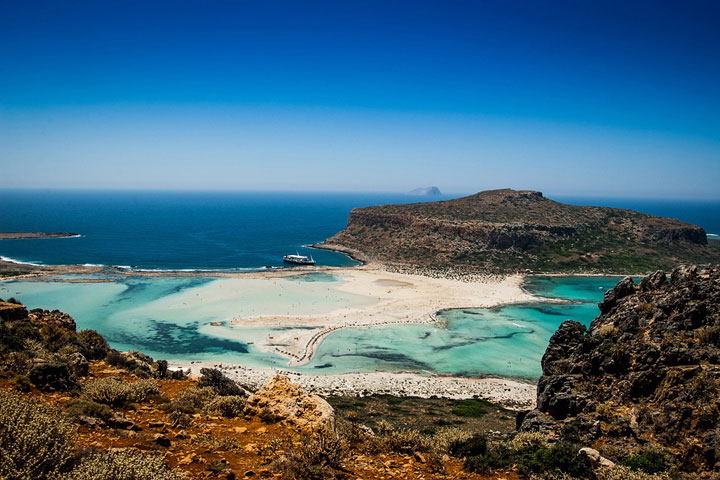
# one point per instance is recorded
(281, 400)
(645, 375)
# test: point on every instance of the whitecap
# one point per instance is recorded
(18, 262)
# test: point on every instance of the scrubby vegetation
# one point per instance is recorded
(114, 392)
(222, 385)
(206, 400)
(122, 465)
(35, 441)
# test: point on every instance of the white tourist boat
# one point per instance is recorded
(299, 259)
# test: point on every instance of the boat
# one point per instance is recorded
(298, 259)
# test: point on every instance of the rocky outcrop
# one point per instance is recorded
(646, 372)
(11, 312)
(54, 317)
(506, 230)
(281, 400)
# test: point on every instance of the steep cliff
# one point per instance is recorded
(508, 230)
(646, 374)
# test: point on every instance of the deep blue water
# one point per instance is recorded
(179, 230)
(191, 230)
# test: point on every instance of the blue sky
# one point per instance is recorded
(596, 98)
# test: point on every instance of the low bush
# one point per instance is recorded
(388, 439)
(620, 472)
(649, 460)
(115, 358)
(192, 400)
(223, 386)
(471, 447)
(316, 458)
(36, 442)
(530, 455)
(112, 391)
(22, 383)
(53, 375)
(84, 407)
(471, 407)
(94, 346)
(230, 406)
(122, 465)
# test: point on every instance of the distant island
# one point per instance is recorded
(24, 235)
(505, 231)
(425, 191)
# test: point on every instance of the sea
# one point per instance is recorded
(186, 318)
(220, 230)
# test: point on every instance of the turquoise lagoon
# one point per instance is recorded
(170, 317)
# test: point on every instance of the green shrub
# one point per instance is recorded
(649, 460)
(222, 385)
(22, 383)
(193, 400)
(112, 391)
(122, 465)
(318, 457)
(36, 442)
(471, 407)
(55, 337)
(472, 447)
(389, 439)
(531, 458)
(115, 358)
(230, 406)
(94, 346)
(53, 375)
(82, 406)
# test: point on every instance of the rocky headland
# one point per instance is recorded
(509, 231)
(644, 379)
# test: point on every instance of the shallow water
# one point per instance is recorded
(507, 341)
(188, 318)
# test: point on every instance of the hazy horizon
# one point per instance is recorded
(595, 100)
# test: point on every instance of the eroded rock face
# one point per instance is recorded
(280, 399)
(646, 372)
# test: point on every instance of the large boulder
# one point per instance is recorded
(281, 400)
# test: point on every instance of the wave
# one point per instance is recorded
(92, 265)
(713, 235)
(19, 262)
(198, 270)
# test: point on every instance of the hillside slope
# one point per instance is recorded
(508, 230)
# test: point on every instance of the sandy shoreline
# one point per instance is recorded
(396, 299)
(510, 393)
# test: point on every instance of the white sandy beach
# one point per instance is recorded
(509, 393)
(385, 298)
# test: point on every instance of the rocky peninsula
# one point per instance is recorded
(508, 231)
